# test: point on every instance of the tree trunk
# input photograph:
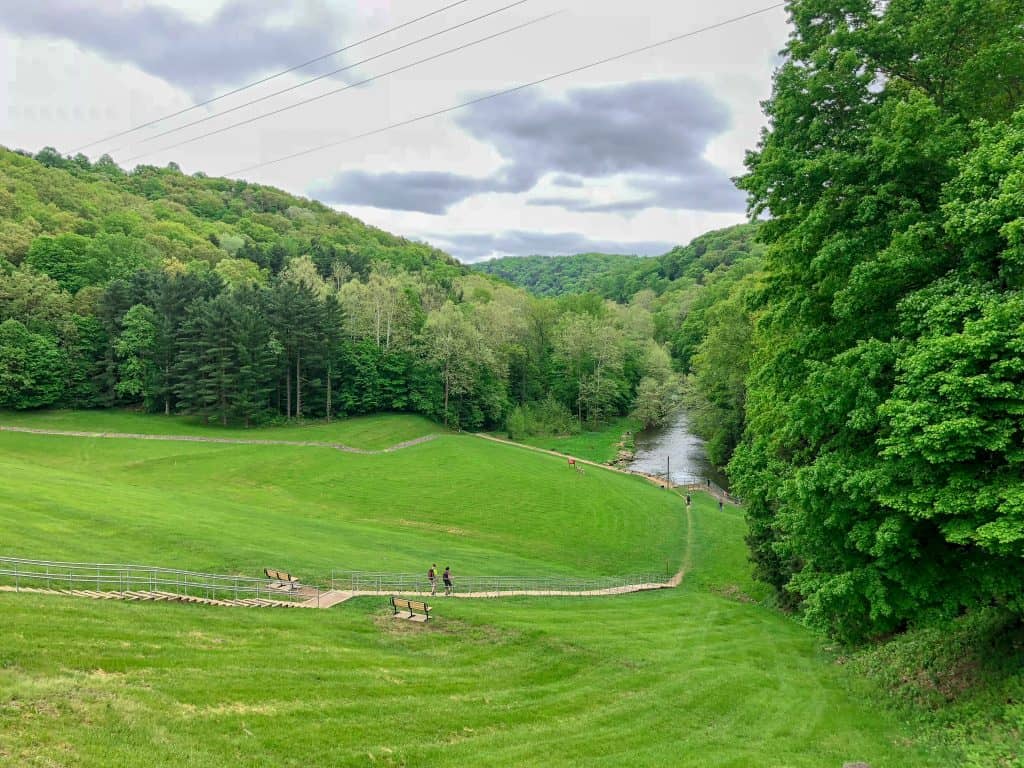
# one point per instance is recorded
(288, 391)
(328, 393)
(298, 385)
(446, 384)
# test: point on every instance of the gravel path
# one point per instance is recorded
(220, 440)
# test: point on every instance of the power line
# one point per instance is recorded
(268, 78)
(348, 87)
(323, 76)
(508, 91)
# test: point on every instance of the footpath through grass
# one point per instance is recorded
(683, 677)
(481, 507)
(697, 676)
(600, 445)
(367, 432)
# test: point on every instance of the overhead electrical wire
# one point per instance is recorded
(268, 78)
(325, 75)
(344, 88)
(508, 91)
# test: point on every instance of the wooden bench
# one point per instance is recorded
(418, 610)
(284, 580)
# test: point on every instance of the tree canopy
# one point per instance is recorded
(882, 457)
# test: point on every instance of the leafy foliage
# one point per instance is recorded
(244, 304)
(882, 456)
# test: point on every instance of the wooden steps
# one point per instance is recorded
(158, 596)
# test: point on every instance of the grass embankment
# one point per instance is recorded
(366, 432)
(601, 445)
(682, 677)
(693, 677)
(484, 508)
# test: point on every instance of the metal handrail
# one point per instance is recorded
(365, 581)
(130, 578)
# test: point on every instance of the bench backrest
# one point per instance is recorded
(402, 604)
(279, 575)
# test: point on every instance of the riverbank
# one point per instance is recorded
(602, 446)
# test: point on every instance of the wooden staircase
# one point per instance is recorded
(158, 596)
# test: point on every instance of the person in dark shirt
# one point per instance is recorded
(448, 586)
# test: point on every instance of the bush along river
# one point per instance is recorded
(676, 448)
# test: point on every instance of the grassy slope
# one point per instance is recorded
(598, 445)
(684, 677)
(681, 678)
(370, 432)
(233, 508)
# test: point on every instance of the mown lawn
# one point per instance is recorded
(683, 677)
(600, 445)
(368, 432)
(483, 508)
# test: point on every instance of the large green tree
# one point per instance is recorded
(874, 110)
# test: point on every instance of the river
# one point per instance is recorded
(689, 462)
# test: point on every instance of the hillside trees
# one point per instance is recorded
(241, 303)
(879, 452)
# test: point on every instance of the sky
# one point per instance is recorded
(632, 156)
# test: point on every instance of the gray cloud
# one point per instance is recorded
(235, 44)
(566, 180)
(652, 133)
(476, 247)
(713, 192)
(654, 126)
(424, 191)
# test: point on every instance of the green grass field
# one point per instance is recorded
(699, 676)
(371, 432)
(600, 445)
(239, 508)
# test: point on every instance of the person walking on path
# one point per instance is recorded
(448, 587)
(687, 499)
(432, 578)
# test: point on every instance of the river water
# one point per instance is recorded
(688, 460)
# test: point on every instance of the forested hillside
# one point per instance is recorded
(883, 459)
(186, 294)
(697, 297)
(558, 275)
(621, 277)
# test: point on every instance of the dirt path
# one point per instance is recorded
(331, 598)
(220, 440)
(650, 478)
(334, 597)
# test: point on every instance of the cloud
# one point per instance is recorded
(655, 126)
(470, 247)
(424, 191)
(652, 134)
(566, 180)
(714, 192)
(243, 39)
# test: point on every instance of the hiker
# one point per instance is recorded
(432, 578)
(448, 588)
(687, 499)
(721, 506)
